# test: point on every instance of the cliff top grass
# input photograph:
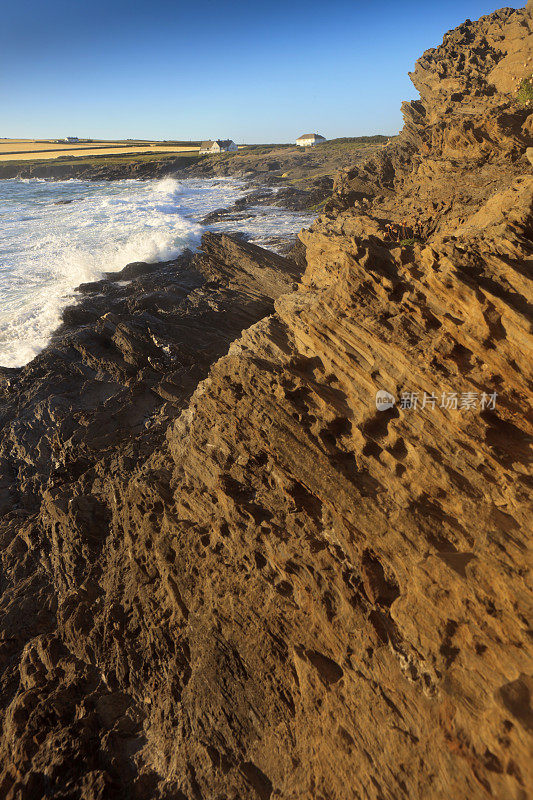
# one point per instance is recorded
(525, 92)
(300, 166)
(297, 166)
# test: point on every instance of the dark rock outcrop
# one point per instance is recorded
(245, 580)
(95, 168)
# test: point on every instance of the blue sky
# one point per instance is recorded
(253, 72)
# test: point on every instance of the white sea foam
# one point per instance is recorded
(48, 247)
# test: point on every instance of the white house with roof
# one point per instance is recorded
(218, 146)
(310, 139)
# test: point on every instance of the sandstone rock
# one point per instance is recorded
(225, 572)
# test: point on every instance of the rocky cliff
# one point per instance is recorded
(239, 578)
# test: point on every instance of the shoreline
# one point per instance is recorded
(281, 244)
(306, 178)
(217, 282)
(295, 199)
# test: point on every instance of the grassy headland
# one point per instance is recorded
(285, 164)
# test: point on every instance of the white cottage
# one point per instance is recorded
(309, 139)
(218, 146)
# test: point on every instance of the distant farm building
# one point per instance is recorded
(71, 139)
(218, 146)
(309, 139)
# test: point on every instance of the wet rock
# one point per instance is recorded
(133, 270)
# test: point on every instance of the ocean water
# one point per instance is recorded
(49, 246)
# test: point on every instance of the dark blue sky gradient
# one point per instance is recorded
(251, 72)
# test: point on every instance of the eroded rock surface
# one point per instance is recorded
(246, 581)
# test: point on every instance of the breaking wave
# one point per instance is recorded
(55, 235)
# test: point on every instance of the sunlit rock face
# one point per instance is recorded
(277, 582)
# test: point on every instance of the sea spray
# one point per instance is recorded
(55, 235)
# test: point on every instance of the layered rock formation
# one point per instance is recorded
(248, 581)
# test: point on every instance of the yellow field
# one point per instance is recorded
(28, 149)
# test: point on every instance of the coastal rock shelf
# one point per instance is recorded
(226, 573)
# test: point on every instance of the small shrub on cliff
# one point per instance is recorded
(525, 92)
